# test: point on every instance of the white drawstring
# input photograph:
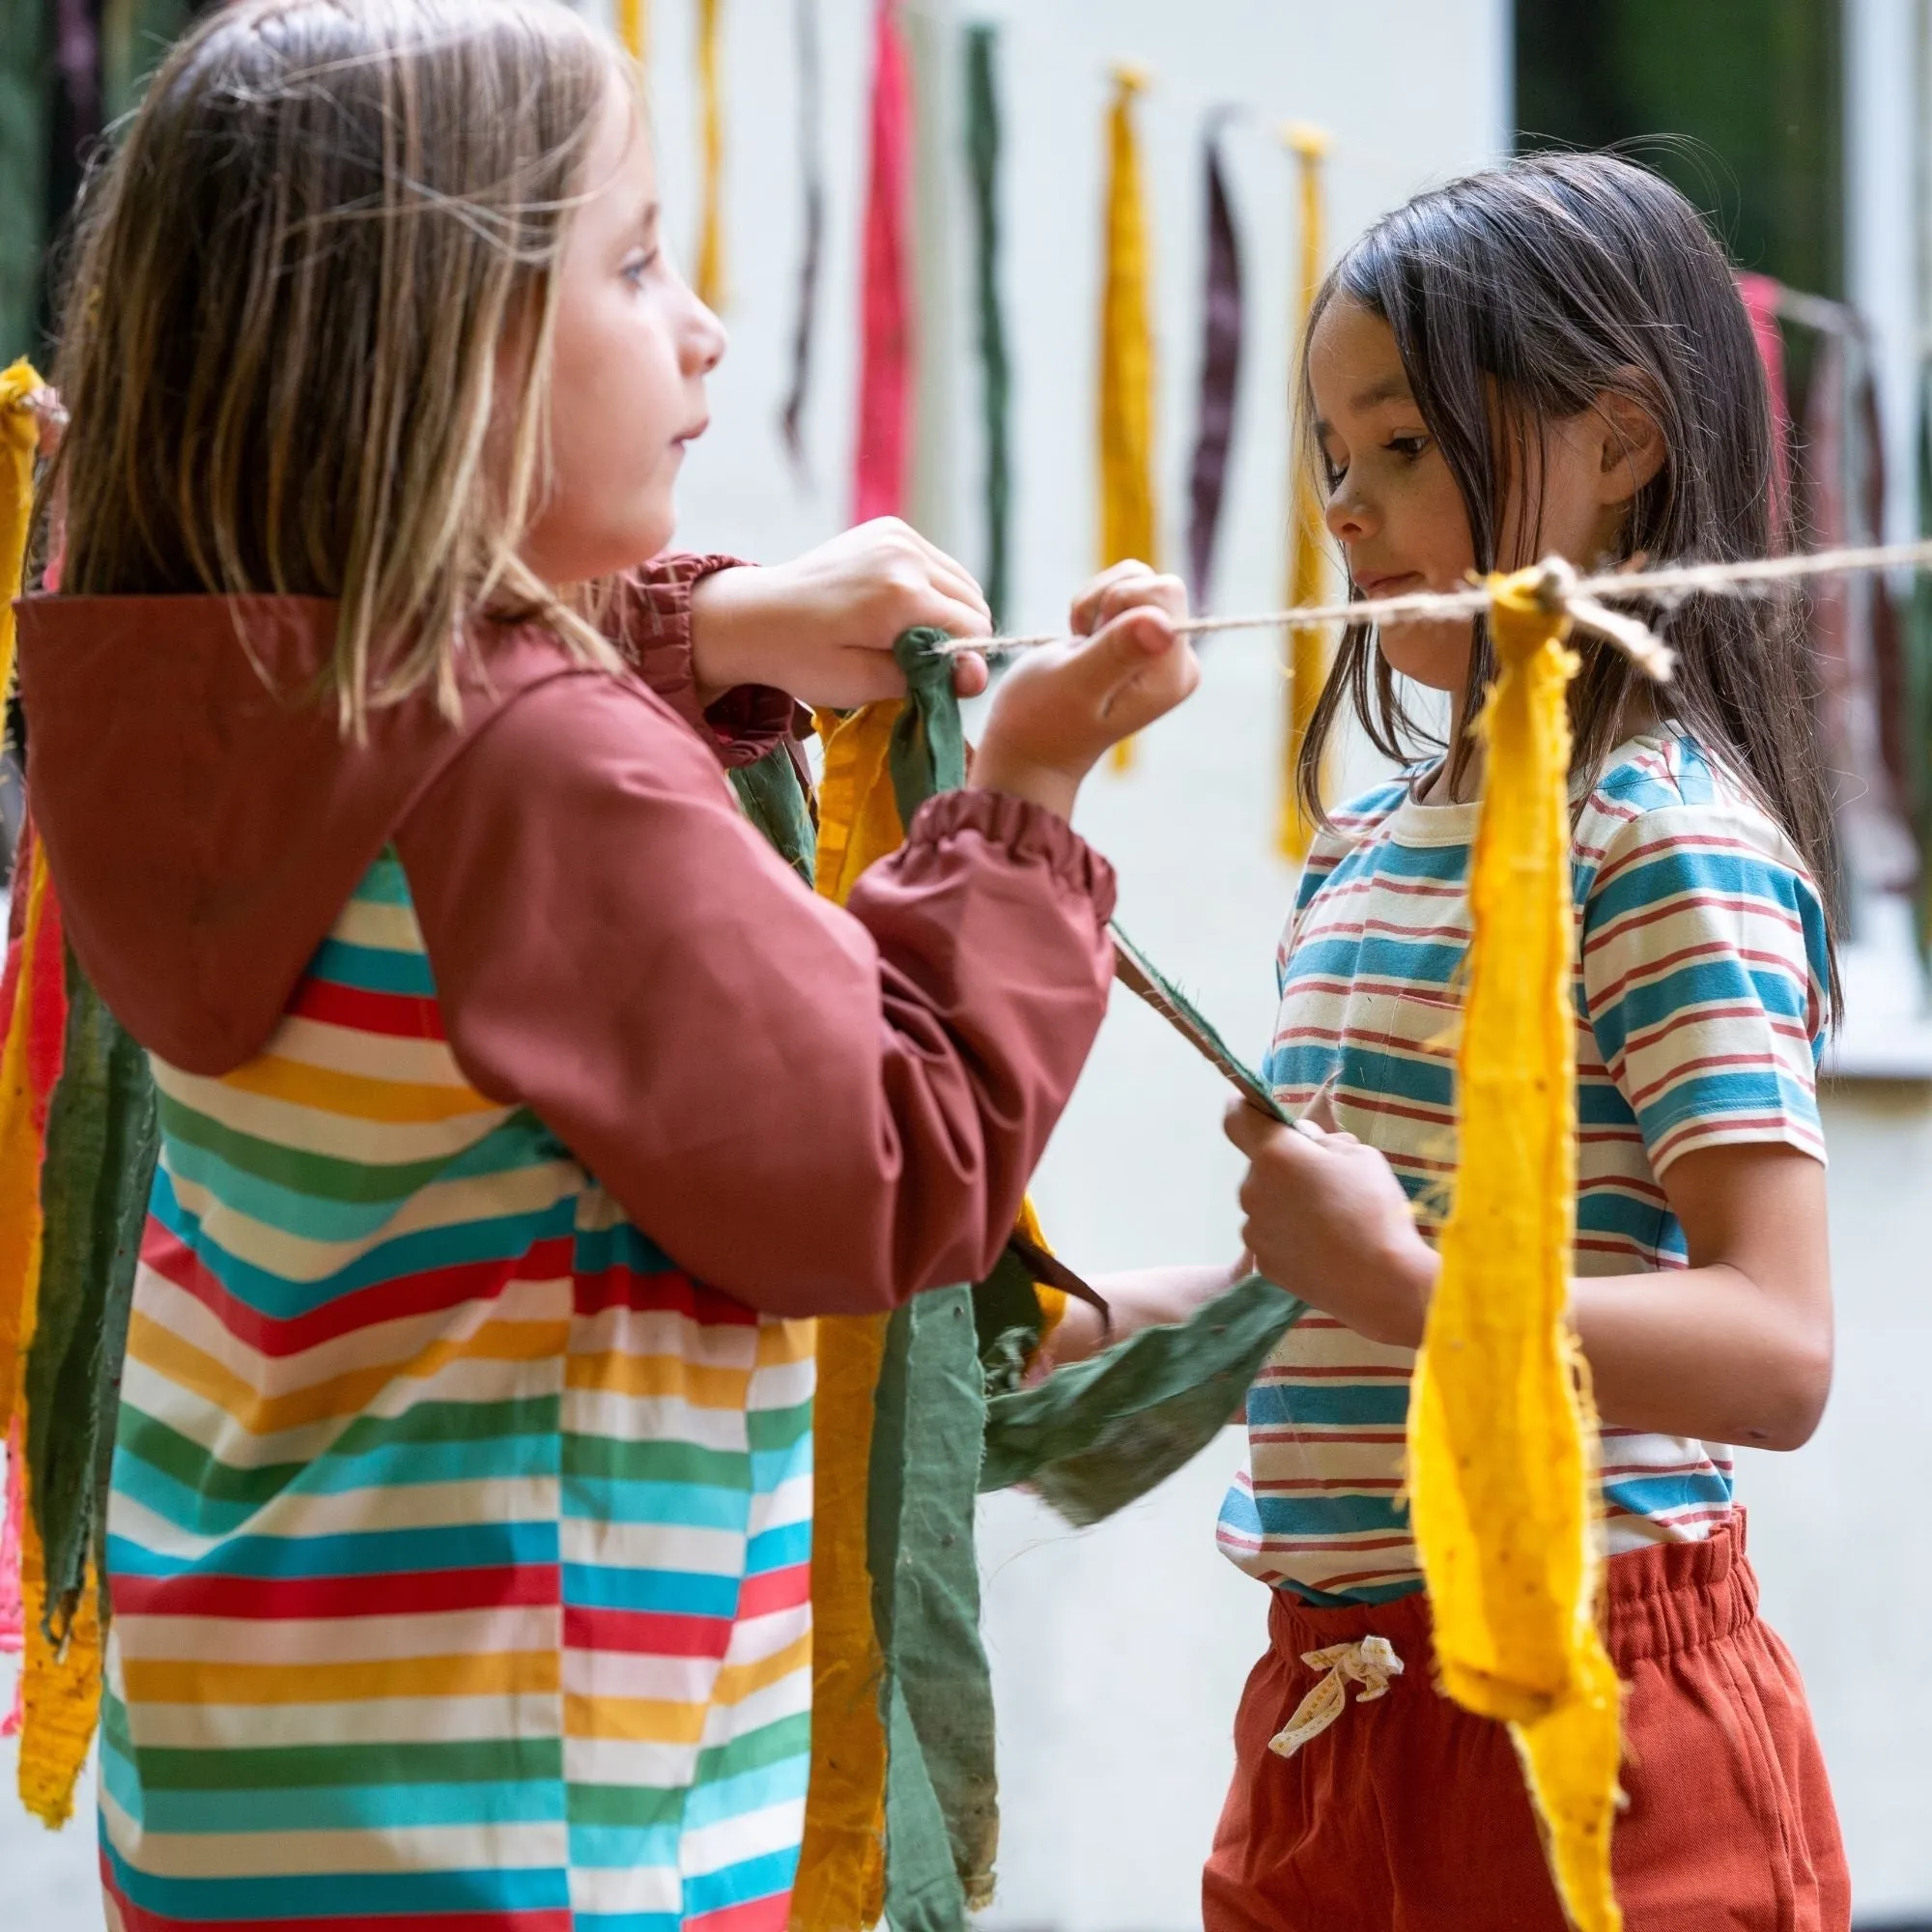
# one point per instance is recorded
(1371, 1662)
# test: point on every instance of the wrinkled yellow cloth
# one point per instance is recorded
(1502, 1437)
(1307, 559)
(61, 1704)
(841, 1870)
(1124, 424)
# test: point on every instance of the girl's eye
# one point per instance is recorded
(639, 267)
(1407, 446)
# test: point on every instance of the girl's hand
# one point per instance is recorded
(1124, 587)
(1064, 705)
(822, 626)
(1327, 1220)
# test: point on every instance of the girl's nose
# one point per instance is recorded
(703, 340)
(1349, 517)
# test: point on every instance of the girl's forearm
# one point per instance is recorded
(1140, 1298)
(1703, 1352)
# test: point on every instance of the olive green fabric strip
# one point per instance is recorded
(770, 796)
(100, 1166)
(1096, 1434)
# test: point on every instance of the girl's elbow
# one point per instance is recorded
(1796, 1404)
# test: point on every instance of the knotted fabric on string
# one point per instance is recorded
(1125, 394)
(1307, 560)
(1220, 367)
(710, 280)
(1502, 1437)
(983, 150)
(885, 363)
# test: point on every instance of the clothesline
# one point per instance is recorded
(1581, 597)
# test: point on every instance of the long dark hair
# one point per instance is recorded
(1523, 294)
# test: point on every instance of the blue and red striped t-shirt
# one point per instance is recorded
(1701, 1002)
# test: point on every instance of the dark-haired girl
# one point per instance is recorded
(1550, 357)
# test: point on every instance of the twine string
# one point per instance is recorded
(1585, 599)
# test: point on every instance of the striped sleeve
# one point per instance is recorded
(1705, 977)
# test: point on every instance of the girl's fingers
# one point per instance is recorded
(970, 675)
(951, 578)
(1147, 670)
(1087, 615)
(1162, 593)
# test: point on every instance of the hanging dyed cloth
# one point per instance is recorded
(1125, 392)
(885, 367)
(1920, 677)
(811, 178)
(634, 28)
(1307, 559)
(982, 151)
(1760, 295)
(19, 444)
(902, 1815)
(710, 278)
(1220, 367)
(1500, 1432)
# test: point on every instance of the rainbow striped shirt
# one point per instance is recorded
(1701, 1004)
(459, 1544)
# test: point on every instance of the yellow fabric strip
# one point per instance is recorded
(62, 1700)
(634, 28)
(1502, 1462)
(1127, 388)
(21, 1148)
(1307, 560)
(842, 1872)
(710, 281)
(19, 440)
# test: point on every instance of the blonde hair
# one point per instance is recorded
(307, 347)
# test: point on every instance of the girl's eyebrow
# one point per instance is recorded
(1390, 389)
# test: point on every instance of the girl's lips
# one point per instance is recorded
(1389, 586)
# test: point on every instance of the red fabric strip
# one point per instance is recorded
(885, 373)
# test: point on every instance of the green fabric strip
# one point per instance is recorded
(102, 1145)
(941, 1804)
(982, 153)
(942, 1812)
(1096, 1434)
(770, 796)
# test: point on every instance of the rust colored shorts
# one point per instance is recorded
(1409, 1814)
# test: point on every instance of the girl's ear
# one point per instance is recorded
(1631, 447)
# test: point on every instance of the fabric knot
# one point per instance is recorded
(1370, 1662)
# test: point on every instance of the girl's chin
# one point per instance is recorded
(1434, 655)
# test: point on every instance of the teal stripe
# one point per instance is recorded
(501, 1238)
(373, 969)
(375, 1552)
